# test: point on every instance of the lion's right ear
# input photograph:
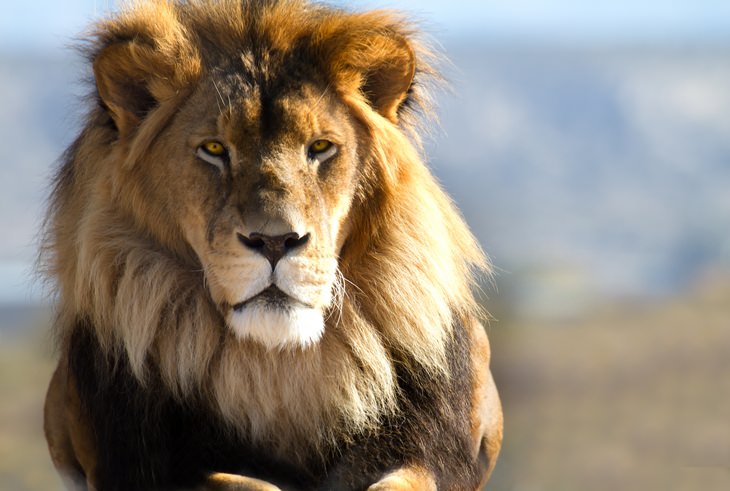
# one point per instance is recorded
(141, 63)
(125, 78)
(133, 77)
(142, 58)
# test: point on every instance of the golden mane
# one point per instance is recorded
(406, 269)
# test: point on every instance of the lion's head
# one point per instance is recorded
(259, 166)
(246, 213)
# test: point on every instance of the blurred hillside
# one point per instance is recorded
(585, 172)
(589, 172)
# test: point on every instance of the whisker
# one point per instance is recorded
(321, 97)
(220, 97)
(350, 283)
(339, 294)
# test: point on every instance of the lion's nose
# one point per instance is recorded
(273, 248)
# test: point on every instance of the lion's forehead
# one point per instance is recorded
(265, 117)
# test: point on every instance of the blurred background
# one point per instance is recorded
(588, 145)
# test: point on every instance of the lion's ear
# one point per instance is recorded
(142, 59)
(381, 64)
(124, 81)
(389, 76)
(132, 78)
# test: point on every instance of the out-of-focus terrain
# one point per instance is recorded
(628, 396)
(26, 364)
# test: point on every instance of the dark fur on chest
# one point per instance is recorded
(145, 439)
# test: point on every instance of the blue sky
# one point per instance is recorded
(44, 24)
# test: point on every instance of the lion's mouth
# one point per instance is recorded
(276, 319)
(271, 297)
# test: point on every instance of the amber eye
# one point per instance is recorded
(320, 146)
(214, 148)
(214, 153)
(321, 150)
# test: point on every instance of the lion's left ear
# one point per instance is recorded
(389, 76)
(381, 64)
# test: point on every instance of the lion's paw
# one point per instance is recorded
(232, 482)
(406, 479)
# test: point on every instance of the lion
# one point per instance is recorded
(259, 284)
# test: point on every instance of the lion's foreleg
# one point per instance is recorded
(486, 416)
(57, 433)
(68, 437)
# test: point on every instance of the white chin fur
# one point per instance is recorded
(291, 327)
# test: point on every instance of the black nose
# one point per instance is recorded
(273, 248)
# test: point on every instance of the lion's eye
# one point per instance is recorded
(320, 146)
(214, 148)
(213, 152)
(321, 150)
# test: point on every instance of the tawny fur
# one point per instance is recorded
(405, 259)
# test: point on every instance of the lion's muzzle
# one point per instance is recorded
(284, 305)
